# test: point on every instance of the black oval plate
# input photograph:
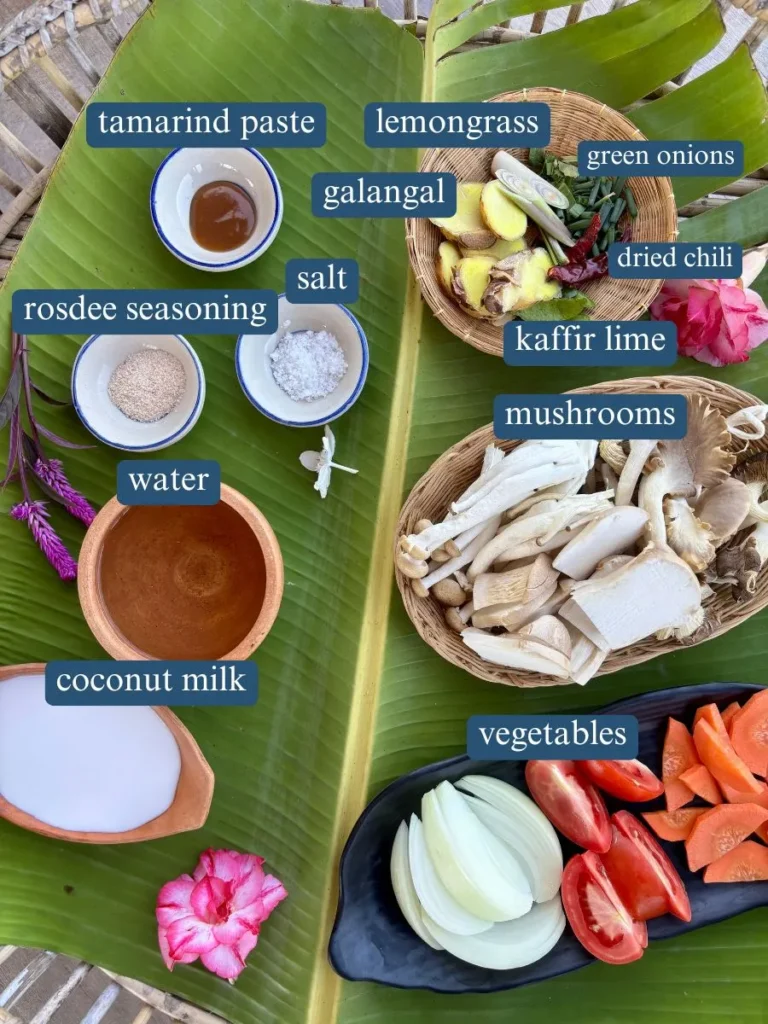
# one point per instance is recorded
(371, 940)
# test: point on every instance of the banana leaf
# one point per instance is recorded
(350, 696)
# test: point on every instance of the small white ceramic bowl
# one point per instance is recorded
(183, 172)
(95, 363)
(254, 369)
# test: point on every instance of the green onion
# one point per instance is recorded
(617, 211)
(594, 192)
(580, 224)
(631, 204)
(595, 249)
(618, 186)
(605, 212)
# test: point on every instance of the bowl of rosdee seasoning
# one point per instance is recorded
(139, 393)
(216, 209)
(311, 370)
(194, 582)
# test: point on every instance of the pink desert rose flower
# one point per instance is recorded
(718, 322)
(216, 913)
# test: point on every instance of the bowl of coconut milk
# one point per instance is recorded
(96, 774)
(311, 370)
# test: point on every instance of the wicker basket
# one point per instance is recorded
(575, 117)
(455, 470)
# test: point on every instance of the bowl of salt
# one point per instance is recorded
(311, 370)
(138, 392)
(96, 774)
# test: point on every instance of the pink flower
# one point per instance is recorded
(217, 912)
(51, 472)
(718, 322)
(35, 515)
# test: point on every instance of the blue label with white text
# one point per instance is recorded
(590, 343)
(457, 125)
(674, 259)
(380, 194)
(644, 159)
(590, 417)
(160, 125)
(137, 683)
(168, 482)
(322, 280)
(556, 737)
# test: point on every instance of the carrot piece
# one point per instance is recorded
(721, 759)
(679, 754)
(675, 826)
(738, 796)
(710, 713)
(700, 780)
(719, 829)
(747, 863)
(729, 712)
(749, 733)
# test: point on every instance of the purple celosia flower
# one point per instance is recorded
(35, 515)
(51, 472)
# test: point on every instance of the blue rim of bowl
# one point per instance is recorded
(265, 242)
(164, 442)
(342, 408)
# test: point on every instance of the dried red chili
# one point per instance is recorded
(579, 252)
(578, 273)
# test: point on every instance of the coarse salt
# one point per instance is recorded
(308, 365)
(148, 385)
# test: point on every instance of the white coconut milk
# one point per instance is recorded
(88, 769)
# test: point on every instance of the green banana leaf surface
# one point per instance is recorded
(350, 696)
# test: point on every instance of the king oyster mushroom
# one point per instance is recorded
(655, 590)
(684, 468)
(548, 630)
(611, 533)
(517, 652)
(753, 471)
(520, 585)
(612, 453)
(512, 616)
(639, 453)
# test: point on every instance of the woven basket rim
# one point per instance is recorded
(637, 295)
(427, 615)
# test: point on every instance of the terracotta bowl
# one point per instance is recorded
(188, 811)
(94, 608)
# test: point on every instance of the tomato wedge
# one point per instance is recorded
(599, 919)
(571, 803)
(650, 885)
(627, 780)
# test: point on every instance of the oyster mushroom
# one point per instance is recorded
(687, 535)
(738, 565)
(690, 624)
(753, 471)
(512, 616)
(724, 508)
(682, 469)
(748, 424)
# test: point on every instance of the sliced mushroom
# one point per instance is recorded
(655, 590)
(586, 657)
(548, 630)
(683, 629)
(610, 533)
(753, 471)
(684, 468)
(724, 508)
(516, 652)
(513, 616)
(517, 586)
(687, 535)
(573, 614)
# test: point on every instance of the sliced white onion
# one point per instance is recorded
(516, 820)
(436, 901)
(478, 870)
(402, 883)
(509, 944)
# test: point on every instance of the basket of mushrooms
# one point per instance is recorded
(539, 563)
